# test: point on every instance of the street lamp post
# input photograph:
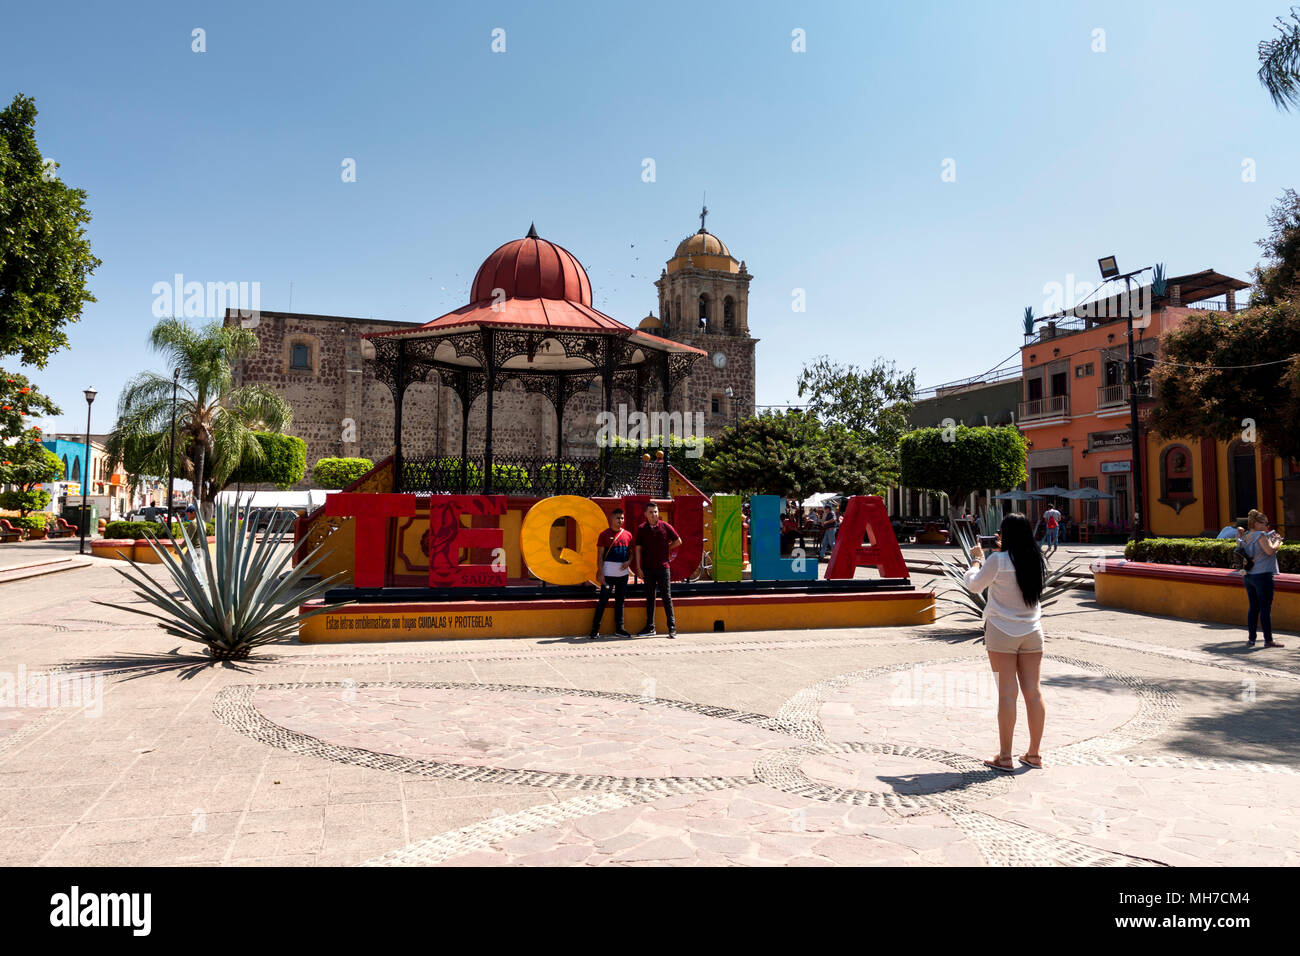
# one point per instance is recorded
(90, 394)
(1110, 270)
(171, 455)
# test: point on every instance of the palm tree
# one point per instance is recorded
(1279, 60)
(215, 420)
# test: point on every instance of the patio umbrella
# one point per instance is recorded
(1086, 494)
(1050, 491)
(1017, 496)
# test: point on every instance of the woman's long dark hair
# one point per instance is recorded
(1018, 542)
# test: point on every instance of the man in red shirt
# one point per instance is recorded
(613, 555)
(655, 543)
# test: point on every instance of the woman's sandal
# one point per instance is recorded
(1032, 760)
(994, 765)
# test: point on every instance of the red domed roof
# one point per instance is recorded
(532, 268)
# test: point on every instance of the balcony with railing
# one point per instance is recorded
(1058, 406)
(1115, 395)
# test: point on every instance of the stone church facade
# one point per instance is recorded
(317, 362)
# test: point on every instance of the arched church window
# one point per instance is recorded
(704, 307)
(76, 469)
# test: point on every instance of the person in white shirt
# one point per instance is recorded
(1013, 632)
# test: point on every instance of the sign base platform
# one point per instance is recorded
(427, 615)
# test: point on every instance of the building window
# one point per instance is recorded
(66, 472)
(1082, 371)
(1176, 477)
(728, 315)
(301, 356)
(76, 469)
(704, 309)
(716, 405)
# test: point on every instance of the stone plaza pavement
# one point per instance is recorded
(1168, 743)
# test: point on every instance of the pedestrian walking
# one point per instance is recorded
(656, 541)
(613, 556)
(1261, 546)
(830, 524)
(1013, 632)
(1053, 519)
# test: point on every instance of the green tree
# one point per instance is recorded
(339, 472)
(872, 402)
(1278, 278)
(792, 454)
(45, 256)
(1222, 376)
(283, 462)
(1279, 63)
(959, 460)
(215, 421)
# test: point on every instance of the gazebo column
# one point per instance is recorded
(490, 395)
(607, 387)
(399, 392)
(464, 433)
(666, 378)
(559, 428)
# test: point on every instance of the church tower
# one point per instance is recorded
(704, 302)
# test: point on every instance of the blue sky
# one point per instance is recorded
(822, 168)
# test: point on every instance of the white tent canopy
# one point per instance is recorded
(297, 500)
(821, 500)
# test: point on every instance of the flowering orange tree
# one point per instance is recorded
(24, 461)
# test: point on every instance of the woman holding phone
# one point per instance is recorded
(1013, 632)
(1262, 545)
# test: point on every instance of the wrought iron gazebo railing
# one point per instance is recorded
(535, 476)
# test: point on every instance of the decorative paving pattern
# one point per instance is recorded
(1190, 656)
(649, 761)
(968, 779)
(1010, 844)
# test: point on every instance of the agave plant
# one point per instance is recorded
(990, 520)
(1029, 320)
(235, 596)
(967, 601)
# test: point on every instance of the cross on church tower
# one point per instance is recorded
(704, 211)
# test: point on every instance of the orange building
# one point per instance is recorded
(1075, 413)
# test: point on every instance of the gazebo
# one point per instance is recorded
(529, 319)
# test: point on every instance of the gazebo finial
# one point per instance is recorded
(532, 232)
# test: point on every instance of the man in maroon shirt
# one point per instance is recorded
(655, 542)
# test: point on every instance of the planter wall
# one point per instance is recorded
(138, 550)
(1193, 594)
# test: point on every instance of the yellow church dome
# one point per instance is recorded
(702, 244)
(703, 250)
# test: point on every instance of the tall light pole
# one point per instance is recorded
(1110, 270)
(90, 394)
(171, 455)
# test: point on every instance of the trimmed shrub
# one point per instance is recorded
(34, 522)
(284, 460)
(570, 475)
(507, 479)
(1202, 553)
(24, 501)
(134, 529)
(339, 472)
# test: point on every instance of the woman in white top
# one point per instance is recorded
(1013, 632)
